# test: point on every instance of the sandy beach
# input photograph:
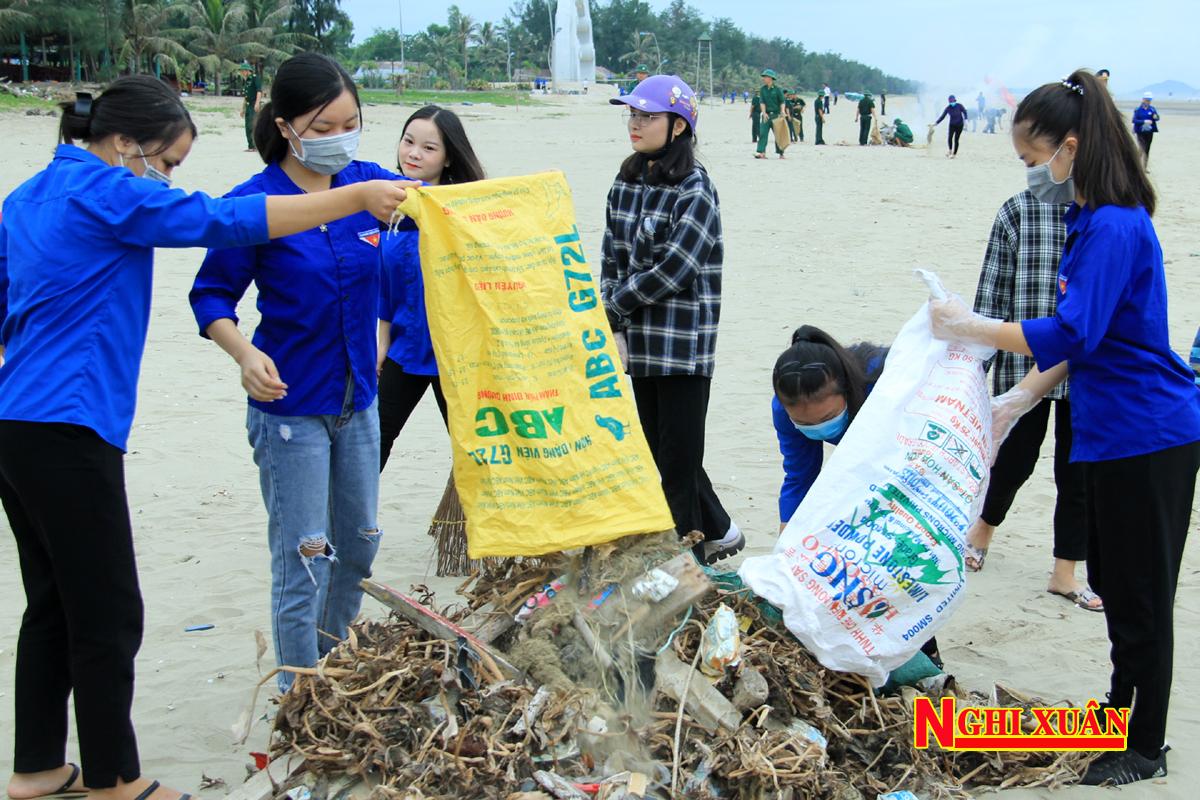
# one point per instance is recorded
(828, 236)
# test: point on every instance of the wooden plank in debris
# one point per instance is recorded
(435, 624)
(489, 624)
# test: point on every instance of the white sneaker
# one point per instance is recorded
(730, 544)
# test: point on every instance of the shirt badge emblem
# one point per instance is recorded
(371, 237)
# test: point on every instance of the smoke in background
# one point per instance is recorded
(1021, 58)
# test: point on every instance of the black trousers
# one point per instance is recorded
(399, 393)
(673, 410)
(1138, 515)
(1014, 464)
(952, 137)
(63, 489)
(1144, 141)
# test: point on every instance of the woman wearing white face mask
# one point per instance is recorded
(310, 371)
(1135, 410)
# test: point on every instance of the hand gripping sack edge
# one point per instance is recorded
(871, 564)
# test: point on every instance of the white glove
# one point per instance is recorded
(1006, 410)
(622, 349)
(953, 321)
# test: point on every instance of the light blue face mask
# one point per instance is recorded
(151, 172)
(827, 430)
(326, 155)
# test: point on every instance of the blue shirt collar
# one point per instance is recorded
(278, 182)
(1077, 217)
(75, 153)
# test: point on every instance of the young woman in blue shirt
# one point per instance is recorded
(1135, 410)
(433, 149)
(819, 388)
(310, 370)
(74, 311)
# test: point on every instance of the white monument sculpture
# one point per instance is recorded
(574, 62)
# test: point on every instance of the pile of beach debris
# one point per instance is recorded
(620, 671)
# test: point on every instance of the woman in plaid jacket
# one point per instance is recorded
(661, 282)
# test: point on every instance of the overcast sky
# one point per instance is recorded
(1022, 43)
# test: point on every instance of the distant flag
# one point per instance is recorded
(1004, 93)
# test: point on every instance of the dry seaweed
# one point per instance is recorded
(418, 717)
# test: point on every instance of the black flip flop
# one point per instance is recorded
(65, 789)
(152, 788)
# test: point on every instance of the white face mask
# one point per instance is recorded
(326, 155)
(1047, 190)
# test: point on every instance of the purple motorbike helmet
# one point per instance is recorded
(663, 93)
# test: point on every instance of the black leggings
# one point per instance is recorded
(1139, 510)
(1144, 141)
(399, 393)
(63, 489)
(952, 138)
(1014, 464)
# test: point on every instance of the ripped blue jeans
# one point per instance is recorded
(320, 484)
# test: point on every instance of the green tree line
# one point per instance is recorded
(626, 33)
(189, 40)
(208, 39)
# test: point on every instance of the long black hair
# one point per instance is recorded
(1108, 165)
(669, 167)
(138, 106)
(462, 165)
(305, 82)
(815, 366)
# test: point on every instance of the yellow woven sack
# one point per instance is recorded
(548, 451)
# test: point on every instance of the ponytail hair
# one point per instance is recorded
(304, 83)
(815, 366)
(138, 106)
(1109, 169)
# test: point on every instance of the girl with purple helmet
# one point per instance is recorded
(661, 283)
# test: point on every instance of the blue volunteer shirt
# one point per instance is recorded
(1131, 394)
(1194, 361)
(402, 303)
(317, 293)
(1145, 119)
(76, 263)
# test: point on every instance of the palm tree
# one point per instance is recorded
(218, 37)
(14, 15)
(641, 51)
(465, 31)
(146, 23)
(274, 15)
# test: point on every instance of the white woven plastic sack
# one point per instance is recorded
(871, 564)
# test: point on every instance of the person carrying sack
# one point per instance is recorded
(772, 116)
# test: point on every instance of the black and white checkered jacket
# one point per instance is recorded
(660, 273)
(1019, 278)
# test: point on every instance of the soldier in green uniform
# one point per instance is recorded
(640, 73)
(773, 104)
(252, 91)
(819, 116)
(904, 134)
(755, 110)
(798, 106)
(866, 107)
(789, 102)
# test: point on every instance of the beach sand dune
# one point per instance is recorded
(828, 236)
